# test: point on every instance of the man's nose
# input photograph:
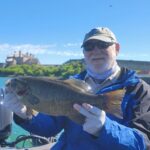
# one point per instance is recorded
(95, 48)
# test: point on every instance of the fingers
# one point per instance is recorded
(82, 110)
(9, 97)
(94, 118)
(87, 110)
(92, 109)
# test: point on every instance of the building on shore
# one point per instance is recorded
(19, 58)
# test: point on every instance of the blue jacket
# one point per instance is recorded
(130, 133)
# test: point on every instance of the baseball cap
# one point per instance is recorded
(100, 33)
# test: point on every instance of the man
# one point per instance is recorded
(102, 129)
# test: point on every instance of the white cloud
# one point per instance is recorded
(49, 49)
(72, 45)
(34, 49)
(66, 53)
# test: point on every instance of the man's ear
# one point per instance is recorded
(117, 46)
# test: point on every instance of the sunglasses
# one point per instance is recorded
(89, 46)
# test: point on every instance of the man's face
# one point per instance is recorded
(100, 56)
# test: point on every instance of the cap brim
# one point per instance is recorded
(101, 38)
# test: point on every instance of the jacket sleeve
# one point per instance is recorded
(42, 124)
(120, 137)
(141, 110)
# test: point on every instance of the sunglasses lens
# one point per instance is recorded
(103, 45)
(89, 46)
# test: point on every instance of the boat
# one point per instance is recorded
(44, 147)
(6, 122)
(38, 143)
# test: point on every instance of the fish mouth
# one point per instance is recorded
(18, 86)
(22, 92)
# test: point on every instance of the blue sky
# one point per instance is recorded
(53, 30)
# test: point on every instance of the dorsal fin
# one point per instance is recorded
(80, 85)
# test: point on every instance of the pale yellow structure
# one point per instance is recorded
(18, 58)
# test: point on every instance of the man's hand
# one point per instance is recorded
(12, 103)
(94, 118)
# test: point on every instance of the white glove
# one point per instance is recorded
(14, 104)
(95, 118)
